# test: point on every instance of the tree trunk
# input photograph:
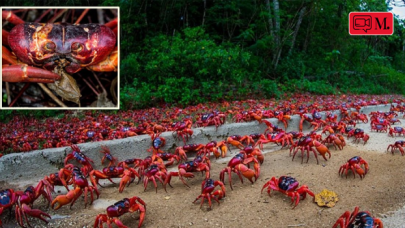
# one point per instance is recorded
(311, 27)
(205, 8)
(297, 28)
(277, 21)
(270, 20)
(276, 55)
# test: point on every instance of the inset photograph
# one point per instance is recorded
(60, 58)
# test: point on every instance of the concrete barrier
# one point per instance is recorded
(35, 165)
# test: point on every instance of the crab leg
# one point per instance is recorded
(11, 17)
(7, 57)
(24, 73)
(25, 209)
(113, 25)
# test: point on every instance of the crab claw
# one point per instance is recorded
(70, 197)
(24, 73)
(108, 65)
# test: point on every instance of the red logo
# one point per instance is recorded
(371, 23)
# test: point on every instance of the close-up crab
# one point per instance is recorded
(66, 57)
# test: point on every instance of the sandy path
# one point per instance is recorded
(382, 192)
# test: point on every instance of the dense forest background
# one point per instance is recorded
(191, 51)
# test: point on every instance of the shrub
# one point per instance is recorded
(186, 68)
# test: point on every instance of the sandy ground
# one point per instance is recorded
(382, 192)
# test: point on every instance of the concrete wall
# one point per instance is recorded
(35, 165)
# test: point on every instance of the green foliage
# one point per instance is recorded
(137, 95)
(7, 115)
(317, 87)
(177, 90)
(268, 87)
(380, 60)
(184, 69)
(320, 87)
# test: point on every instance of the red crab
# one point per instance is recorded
(251, 139)
(183, 129)
(254, 152)
(42, 57)
(207, 191)
(107, 155)
(127, 176)
(209, 119)
(397, 145)
(80, 184)
(26, 200)
(331, 117)
(282, 117)
(14, 73)
(81, 158)
(282, 138)
(380, 121)
(256, 115)
(354, 164)
(295, 134)
(240, 116)
(288, 186)
(8, 199)
(350, 123)
(394, 120)
(358, 134)
(358, 219)
(238, 165)
(235, 140)
(132, 161)
(270, 126)
(359, 117)
(315, 119)
(337, 140)
(23, 202)
(120, 208)
(215, 148)
(62, 178)
(379, 128)
(306, 143)
(157, 143)
(141, 164)
(396, 130)
(154, 172)
(168, 157)
(186, 169)
(309, 118)
(182, 150)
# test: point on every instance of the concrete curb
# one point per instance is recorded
(35, 165)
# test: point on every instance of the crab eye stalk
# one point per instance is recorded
(77, 47)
